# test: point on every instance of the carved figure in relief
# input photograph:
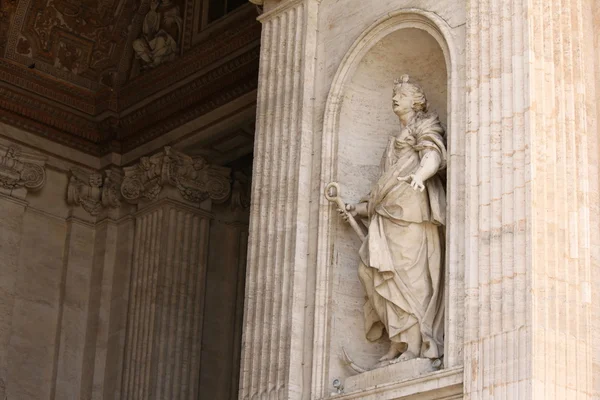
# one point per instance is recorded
(402, 256)
(161, 30)
(194, 177)
(93, 191)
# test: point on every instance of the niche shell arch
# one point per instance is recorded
(358, 121)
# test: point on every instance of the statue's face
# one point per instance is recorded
(95, 180)
(402, 102)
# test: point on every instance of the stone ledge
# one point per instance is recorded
(445, 384)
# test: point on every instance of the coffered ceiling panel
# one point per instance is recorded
(110, 75)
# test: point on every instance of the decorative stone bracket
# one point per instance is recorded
(94, 191)
(21, 170)
(195, 179)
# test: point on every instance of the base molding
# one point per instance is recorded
(446, 384)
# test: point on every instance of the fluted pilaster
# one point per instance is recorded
(528, 260)
(272, 343)
(162, 357)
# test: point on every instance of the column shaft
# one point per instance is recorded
(276, 274)
(528, 259)
(162, 357)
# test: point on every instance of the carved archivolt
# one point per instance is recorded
(195, 179)
(21, 170)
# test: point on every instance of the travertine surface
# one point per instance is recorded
(516, 83)
(62, 280)
(389, 374)
(309, 360)
(68, 243)
(522, 247)
(162, 353)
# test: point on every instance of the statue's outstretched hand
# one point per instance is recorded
(414, 180)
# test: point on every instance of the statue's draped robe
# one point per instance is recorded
(161, 29)
(402, 257)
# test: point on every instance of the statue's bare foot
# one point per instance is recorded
(392, 353)
(407, 355)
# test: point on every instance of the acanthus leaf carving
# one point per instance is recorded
(144, 180)
(21, 170)
(195, 179)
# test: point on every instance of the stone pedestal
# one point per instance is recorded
(392, 373)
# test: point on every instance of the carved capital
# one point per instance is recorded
(144, 180)
(195, 179)
(21, 170)
(94, 191)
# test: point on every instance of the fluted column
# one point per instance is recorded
(273, 333)
(166, 303)
(174, 193)
(528, 256)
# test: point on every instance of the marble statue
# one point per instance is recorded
(161, 30)
(402, 255)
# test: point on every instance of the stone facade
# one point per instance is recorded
(103, 289)
(516, 84)
(141, 274)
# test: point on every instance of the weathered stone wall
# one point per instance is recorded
(64, 285)
(103, 277)
(591, 21)
(522, 186)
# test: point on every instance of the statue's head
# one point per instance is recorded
(408, 97)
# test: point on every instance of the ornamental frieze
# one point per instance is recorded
(195, 179)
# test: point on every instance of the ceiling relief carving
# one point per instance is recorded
(161, 32)
(79, 41)
(108, 75)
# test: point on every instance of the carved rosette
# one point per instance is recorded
(21, 170)
(195, 179)
(94, 191)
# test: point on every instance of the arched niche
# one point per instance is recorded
(358, 122)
